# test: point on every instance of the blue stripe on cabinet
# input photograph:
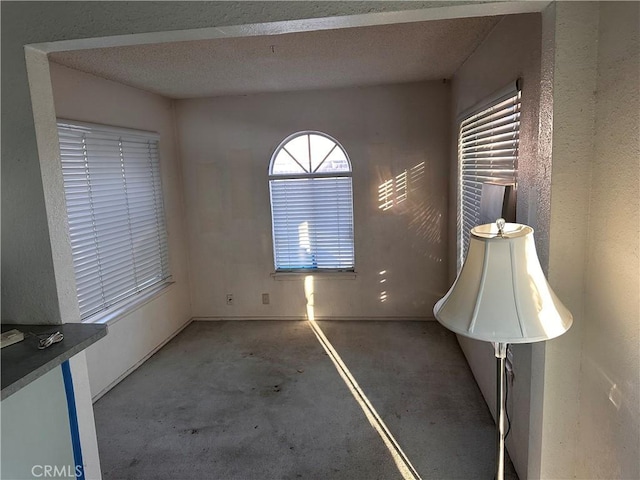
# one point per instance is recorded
(73, 420)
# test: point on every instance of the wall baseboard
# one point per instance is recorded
(130, 370)
(301, 318)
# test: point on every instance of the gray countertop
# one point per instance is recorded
(22, 362)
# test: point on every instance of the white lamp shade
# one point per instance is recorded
(501, 294)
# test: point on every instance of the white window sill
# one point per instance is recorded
(319, 275)
(119, 311)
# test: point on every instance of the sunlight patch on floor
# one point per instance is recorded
(401, 460)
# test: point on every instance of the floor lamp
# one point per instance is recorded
(502, 296)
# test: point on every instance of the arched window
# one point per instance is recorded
(311, 204)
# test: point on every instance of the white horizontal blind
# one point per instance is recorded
(313, 223)
(488, 143)
(115, 209)
(311, 204)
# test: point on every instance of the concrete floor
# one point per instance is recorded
(263, 400)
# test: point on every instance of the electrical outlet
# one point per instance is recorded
(229, 298)
(265, 299)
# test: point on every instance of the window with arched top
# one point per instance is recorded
(311, 204)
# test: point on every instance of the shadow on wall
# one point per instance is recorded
(407, 194)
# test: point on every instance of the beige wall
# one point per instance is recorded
(226, 145)
(511, 51)
(590, 418)
(83, 97)
(579, 188)
(572, 60)
(609, 413)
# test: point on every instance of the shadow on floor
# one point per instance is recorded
(263, 400)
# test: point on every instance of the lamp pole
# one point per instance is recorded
(501, 355)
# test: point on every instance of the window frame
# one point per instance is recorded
(286, 272)
(509, 176)
(151, 272)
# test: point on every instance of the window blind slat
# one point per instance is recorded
(114, 205)
(488, 144)
(497, 121)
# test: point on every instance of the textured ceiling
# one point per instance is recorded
(296, 61)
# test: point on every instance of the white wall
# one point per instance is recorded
(511, 51)
(572, 29)
(83, 97)
(609, 414)
(226, 145)
(590, 419)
